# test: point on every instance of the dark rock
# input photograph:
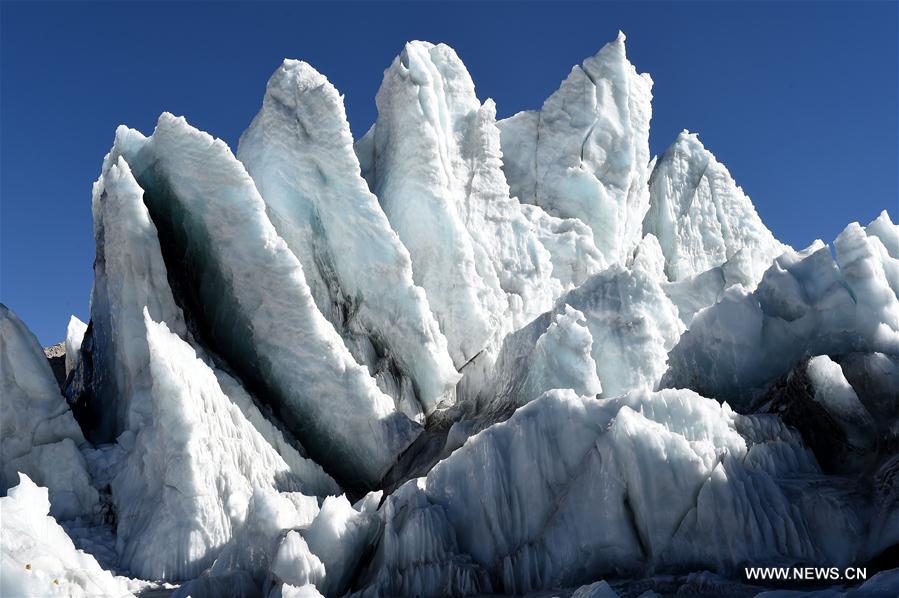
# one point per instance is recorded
(56, 356)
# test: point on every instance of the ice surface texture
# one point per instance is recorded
(38, 434)
(701, 217)
(38, 558)
(299, 151)
(585, 153)
(250, 296)
(458, 356)
(806, 304)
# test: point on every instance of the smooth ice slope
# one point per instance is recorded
(701, 217)
(433, 158)
(585, 153)
(38, 558)
(38, 434)
(251, 300)
(299, 151)
(806, 304)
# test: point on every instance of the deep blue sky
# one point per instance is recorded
(798, 99)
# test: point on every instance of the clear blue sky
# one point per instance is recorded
(798, 99)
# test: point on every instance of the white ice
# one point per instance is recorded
(585, 153)
(806, 304)
(38, 558)
(570, 489)
(258, 310)
(299, 151)
(74, 335)
(38, 434)
(834, 393)
(701, 217)
(188, 474)
(434, 160)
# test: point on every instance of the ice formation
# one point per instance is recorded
(701, 217)
(433, 158)
(806, 304)
(456, 357)
(38, 434)
(39, 559)
(187, 477)
(627, 326)
(250, 298)
(74, 337)
(585, 153)
(571, 489)
(299, 151)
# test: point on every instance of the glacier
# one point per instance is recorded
(299, 151)
(585, 153)
(258, 288)
(40, 437)
(701, 218)
(457, 355)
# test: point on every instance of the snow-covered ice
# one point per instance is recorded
(806, 304)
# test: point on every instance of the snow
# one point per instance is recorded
(701, 217)
(806, 304)
(257, 304)
(74, 336)
(585, 153)
(38, 434)
(38, 558)
(299, 151)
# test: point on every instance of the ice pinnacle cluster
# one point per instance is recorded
(454, 356)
